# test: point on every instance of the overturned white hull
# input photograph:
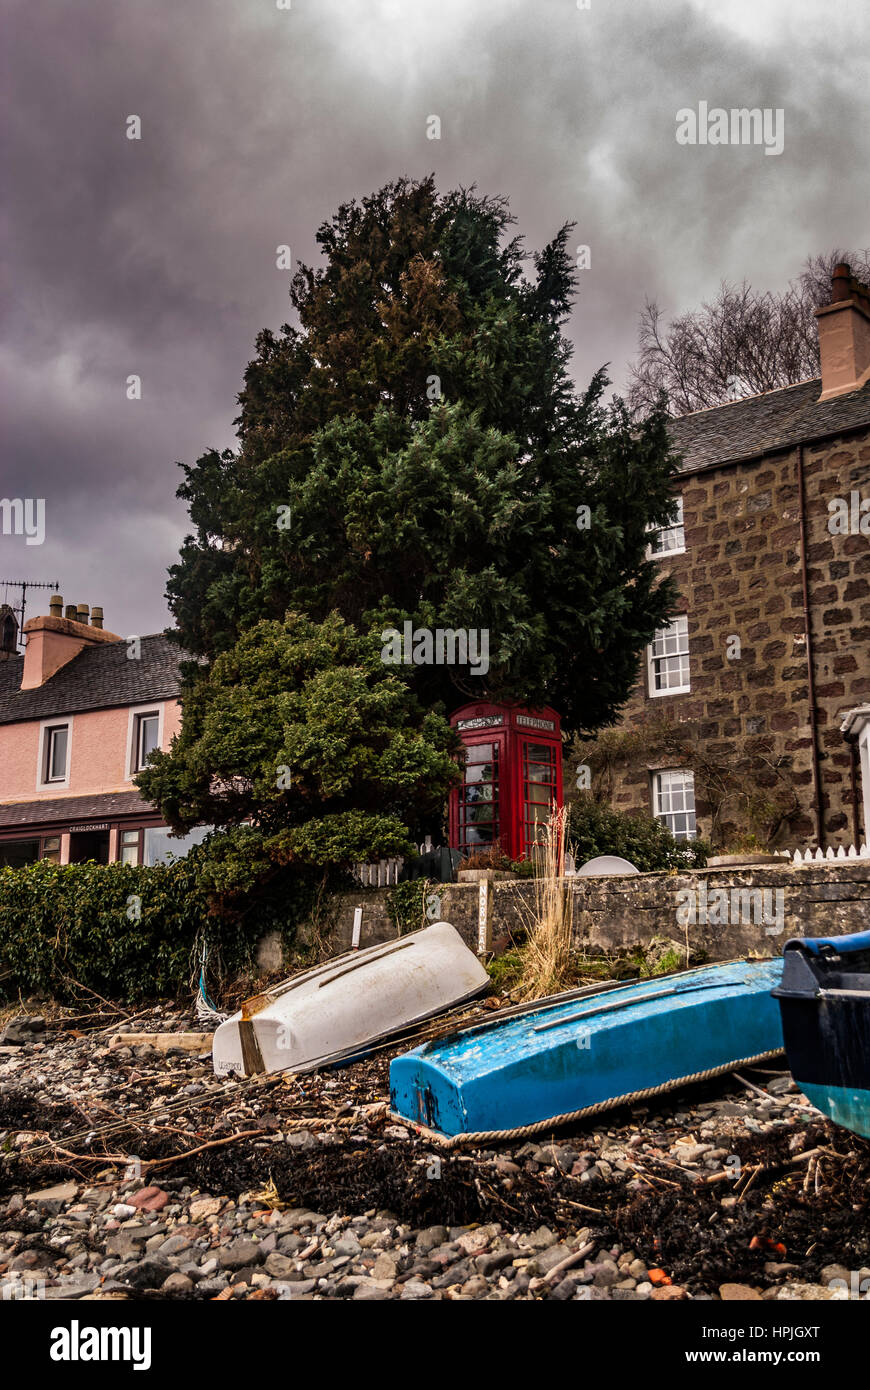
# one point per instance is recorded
(338, 1009)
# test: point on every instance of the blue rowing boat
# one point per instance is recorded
(825, 1003)
(591, 1049)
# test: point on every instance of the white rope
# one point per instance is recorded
(452, 1141)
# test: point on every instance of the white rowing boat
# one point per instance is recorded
(337, 1010)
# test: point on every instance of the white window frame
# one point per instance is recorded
(676, 529)
(667, 817)
(681, 624)
(42, 782)
(153, 707)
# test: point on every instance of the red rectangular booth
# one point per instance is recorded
(512, 777)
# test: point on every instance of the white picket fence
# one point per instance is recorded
(818, 856)
(383, 874)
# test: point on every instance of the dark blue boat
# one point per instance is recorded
(824, 999)
(579, 1053)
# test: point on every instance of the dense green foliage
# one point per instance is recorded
(422, 429)
(303, 730)
(648, 844)
(118, 929)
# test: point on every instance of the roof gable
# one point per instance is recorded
(100, 677)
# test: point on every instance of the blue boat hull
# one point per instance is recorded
(568, 1055)
(824, 998)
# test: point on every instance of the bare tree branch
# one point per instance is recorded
(741, 343)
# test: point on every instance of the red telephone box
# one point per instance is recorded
(512, 777)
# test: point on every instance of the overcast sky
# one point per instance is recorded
(157, 257)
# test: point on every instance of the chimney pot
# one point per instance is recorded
(841, 281)
(71, 612)
(96, 617)
(55, 606)
(82, 613)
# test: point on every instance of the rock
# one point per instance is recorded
(21, 1030)
(414, 1289)
(279, 1266)
(204, 1207)
(431, 1237)
(177, 1283)
(302, 1288)
(566, 1288)
(604, 1273)
(124, 1245)
(734, 1293)
(175, 1245)
(497, 1259)
(71, 1288)
(149, 1199)
(239, 1253)
(540, 1239)
(148, 1273)
(347, 1245)
(50, 1200)
(832, 1272)
(671, 1293)
(475, 1242)
(302, 1140)
(690, 1153)
(384, 1267)
(476, 1287)
(799, 1292)
(548, 1259)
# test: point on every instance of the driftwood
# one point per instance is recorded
(161, 1042)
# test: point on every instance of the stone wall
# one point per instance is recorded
(740, 577)
(817, 899)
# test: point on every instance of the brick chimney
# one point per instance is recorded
(53, 641)
(844, 335)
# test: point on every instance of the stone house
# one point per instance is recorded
(80, 711)
(752, 712)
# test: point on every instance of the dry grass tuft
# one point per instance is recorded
(546, 955)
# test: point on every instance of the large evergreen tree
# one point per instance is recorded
(422, 428)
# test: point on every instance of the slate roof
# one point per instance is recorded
(760, 424)
(73, 808)
(99, 677)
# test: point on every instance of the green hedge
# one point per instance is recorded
(122, 930)
(648, 844)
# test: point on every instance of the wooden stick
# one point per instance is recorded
(752, 1086)
(212, 1144)
(161, 1042)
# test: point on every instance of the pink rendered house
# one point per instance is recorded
(80, 712)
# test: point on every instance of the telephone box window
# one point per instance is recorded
(539, 792)
(478, 804)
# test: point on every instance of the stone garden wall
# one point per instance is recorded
(722, 912)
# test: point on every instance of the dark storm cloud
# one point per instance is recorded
(157, 257)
